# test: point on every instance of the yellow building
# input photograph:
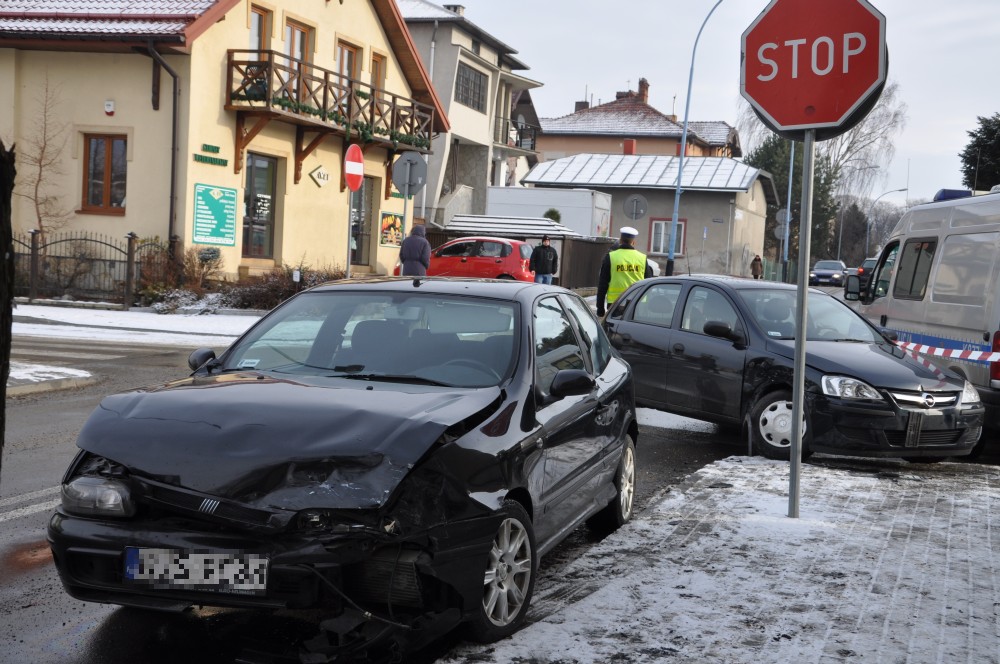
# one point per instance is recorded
(217, 123)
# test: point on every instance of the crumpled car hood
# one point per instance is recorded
(289, 444)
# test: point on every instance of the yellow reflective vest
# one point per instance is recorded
(627, 267)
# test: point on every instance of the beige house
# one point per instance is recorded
(630, 125)
(723, 205)
(219, 123)
(486, 97)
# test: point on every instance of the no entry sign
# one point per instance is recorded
(814, 65)
(354, 167)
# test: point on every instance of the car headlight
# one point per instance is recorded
(97, 496)
(843, 387)
(812, 275)
(970, 395)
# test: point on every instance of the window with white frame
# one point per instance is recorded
(659, 239)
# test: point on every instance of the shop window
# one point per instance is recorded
(258, 206)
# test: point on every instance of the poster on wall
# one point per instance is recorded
(392, 229)
(214, 215)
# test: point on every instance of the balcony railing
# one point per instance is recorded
(514, 134)
(306, 94)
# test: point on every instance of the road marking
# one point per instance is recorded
(28, 511)
(25, 497)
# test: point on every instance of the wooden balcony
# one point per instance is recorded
(263, 86)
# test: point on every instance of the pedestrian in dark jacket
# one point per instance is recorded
(544, 262)
(415, 253)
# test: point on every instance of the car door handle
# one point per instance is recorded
(678, 348)
(465, 260)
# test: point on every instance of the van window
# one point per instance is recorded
(884, 275)
(914, 268)
(965, 269)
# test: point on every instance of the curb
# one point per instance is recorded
(49, 385)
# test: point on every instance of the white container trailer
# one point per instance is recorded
(586, 211)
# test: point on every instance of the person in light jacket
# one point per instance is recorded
(415, 253)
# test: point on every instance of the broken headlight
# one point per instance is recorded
(97, 496)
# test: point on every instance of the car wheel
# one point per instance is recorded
(619, 511)
(771, 422)
(506, 277)
(508, 577)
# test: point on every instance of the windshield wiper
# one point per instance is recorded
(392, 378)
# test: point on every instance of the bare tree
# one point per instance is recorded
(7, 172)
(860, 155)
(42, 164)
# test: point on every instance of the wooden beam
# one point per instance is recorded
(243, 136)
(303, 151)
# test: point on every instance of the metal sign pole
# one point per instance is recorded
(788, 219)
(406, 193)
(802, 293)
(350, 235)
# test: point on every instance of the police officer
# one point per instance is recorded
(621, 268)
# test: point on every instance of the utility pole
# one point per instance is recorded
(7, 172)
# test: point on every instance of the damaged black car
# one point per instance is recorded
(395, 452)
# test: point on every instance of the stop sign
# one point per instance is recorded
(354, 167)
(814, 65)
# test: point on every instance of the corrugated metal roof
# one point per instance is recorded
(481, 224)
(597, 171)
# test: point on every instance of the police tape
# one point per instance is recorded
(970, 355)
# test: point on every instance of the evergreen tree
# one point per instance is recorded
(773, 156)
(981, 156)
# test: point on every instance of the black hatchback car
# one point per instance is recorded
(722, 349)
(396, 452)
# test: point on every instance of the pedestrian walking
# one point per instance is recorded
(756, 267)
(544, 261)
(621, 268)
(415, 253)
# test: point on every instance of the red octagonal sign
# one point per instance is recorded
(814, 65)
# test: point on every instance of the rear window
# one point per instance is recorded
(526, 251)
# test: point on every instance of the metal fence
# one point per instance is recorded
(87, 266)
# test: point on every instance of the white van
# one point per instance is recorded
(936, 287)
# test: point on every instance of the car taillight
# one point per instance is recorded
(995, 366)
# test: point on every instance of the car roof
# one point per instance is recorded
(489, 238)
(726, 281)
(504, 289)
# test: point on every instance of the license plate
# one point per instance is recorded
(231, 572)
(913, 426)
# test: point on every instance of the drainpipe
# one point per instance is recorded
(173, 146)
(430, 74)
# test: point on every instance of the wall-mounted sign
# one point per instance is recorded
(215, 161)
(214, 149)
(392, 229)
(320, 176)
(214, 215)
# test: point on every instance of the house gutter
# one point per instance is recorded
(173, 145)
(430, 74)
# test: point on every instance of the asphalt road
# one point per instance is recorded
(40, 624)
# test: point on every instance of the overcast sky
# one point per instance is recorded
(944, 55)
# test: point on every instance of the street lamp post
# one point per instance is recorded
(680, 159)
(868, 220)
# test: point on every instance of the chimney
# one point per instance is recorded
(629, 146)
(455, 9)
(643, 91)
(581, 106)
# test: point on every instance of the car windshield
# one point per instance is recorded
(828, 319)
(829, 265)
(457, 341)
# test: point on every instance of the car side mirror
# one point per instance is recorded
(570, 382)
(715, 328)
(852, 288)
(200, 357)
(890, 335)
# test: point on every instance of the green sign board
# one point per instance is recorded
(214, 215)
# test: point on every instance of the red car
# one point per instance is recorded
(482, 257)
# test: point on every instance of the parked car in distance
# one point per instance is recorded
(481, 257)
(397, 453)
(829, 273)
(865, 271)
(722, 349)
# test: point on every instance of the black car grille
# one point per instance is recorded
(190, 503)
